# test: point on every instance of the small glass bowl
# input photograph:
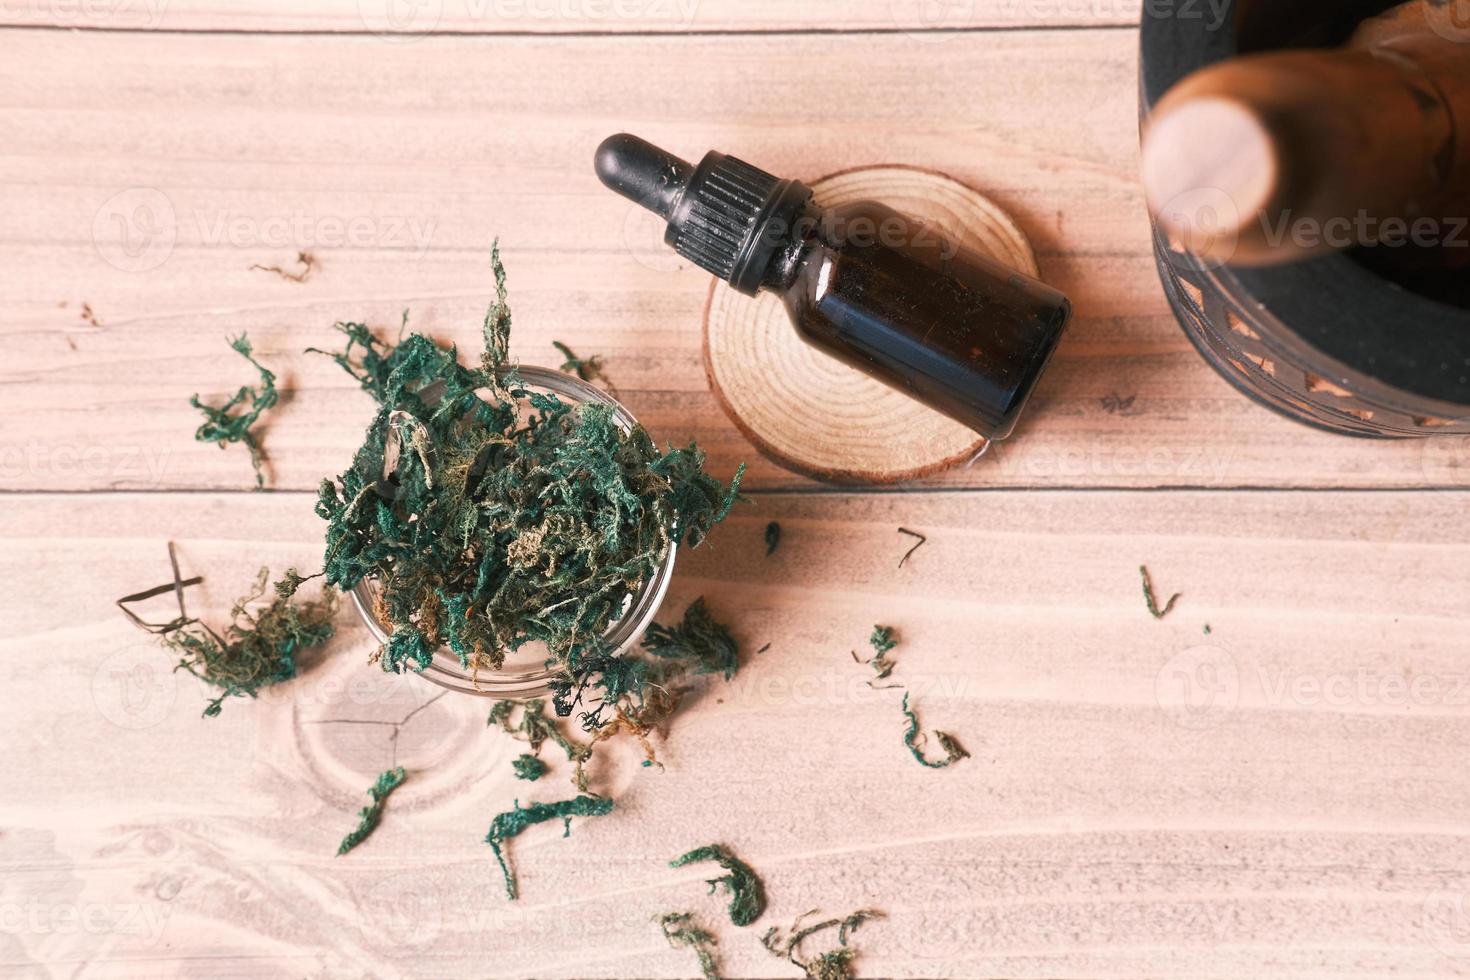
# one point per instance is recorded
(524, 674)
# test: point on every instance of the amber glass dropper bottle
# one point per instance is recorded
(954, 329)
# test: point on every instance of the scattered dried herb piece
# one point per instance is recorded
(586, 368)
(528, 767)
(255, 650)
(917, 545)
(89, 316)
(882, 642)
(953, 751)
(514, 822)
(306, 260)
(700, 642)
(764, 648)
(1148, 595)
(747, 896)
(536, 729)
(681, 932)
(835, 964)
(1208, 631)
(369, 815)
(507, 516)
(773, 538)
(223, 427)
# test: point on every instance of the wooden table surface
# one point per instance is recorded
(1285, 793)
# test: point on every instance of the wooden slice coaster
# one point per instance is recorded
(811, 413)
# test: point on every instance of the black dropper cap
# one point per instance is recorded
(724, 215)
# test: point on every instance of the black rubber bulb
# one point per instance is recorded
(953, 329)
(643, 173)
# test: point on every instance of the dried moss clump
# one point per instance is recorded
(747, 896)
(369, 815)
(257, 649)
(681, 932)
(491, 515)
(834, 964)
(224, 426)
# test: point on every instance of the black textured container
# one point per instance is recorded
(1327, 341)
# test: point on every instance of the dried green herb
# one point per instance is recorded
(699, 642)
(773, 538)
(491, 515)
(953, 751)
(221, 425)
(306, 260)
(917, 545)
(586, 368)
(882, 642)
(528, 767)
(747, 896)
(369, 815)
(1148, 595)
(535, 729)
(834, 964)
(514, 822)
(1208, 631)
(681, 932)
(255, 650)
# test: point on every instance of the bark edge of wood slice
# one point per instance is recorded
(813, 414)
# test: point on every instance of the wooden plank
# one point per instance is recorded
(397, 164)
(1284, 796)
(402, 20)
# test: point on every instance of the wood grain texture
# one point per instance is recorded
(397, 164)
(810, 412)
(1285, 796)
(404, 20)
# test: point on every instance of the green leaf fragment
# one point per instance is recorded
(773, 538)
(747, 896)
(528, 767)
(1148, 596)
(953, 751)
(223, 425)
(369, 815)
(514, 822)
(699, 641)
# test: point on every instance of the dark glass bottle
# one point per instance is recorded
(877, 290)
